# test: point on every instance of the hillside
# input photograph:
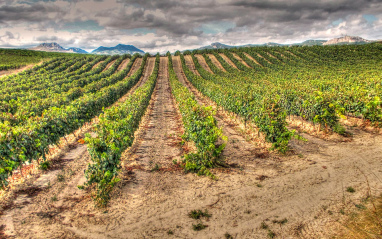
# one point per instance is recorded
(119, 49)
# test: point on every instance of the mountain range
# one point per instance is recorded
(130, 49)
(54, 47)
(118, 49)
(346, 40)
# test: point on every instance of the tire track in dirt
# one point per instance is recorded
(241, 60)
(203, 63)
(216, 62)
(227, 60)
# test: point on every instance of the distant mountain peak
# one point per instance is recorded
(347, 40)
(52, 45)
(55, 47)
(118, 49)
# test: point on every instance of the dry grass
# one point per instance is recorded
(366, 224)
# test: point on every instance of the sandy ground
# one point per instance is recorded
(264, 58)
(227, 60)
(97, 64)
(251, 58)
(307, 187)
(123, 64)
(216, 62)
(241, 60)
(109, 65)
(203, 63)
(15, 71)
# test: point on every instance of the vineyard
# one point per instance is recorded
(95, 146)
(14, 58)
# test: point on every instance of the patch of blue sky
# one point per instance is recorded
(216, 27)
(337, 22)
(89, 25)
(370, 18)
(139, 31)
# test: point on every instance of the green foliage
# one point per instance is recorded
(198, 227)
(350, 189)
(45, 165)
(197, 214)
(115, 133)
(31, 140)
(251, 103)
(56, 89)
(16, 58)
(200, 127)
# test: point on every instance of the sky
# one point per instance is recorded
(168, 25)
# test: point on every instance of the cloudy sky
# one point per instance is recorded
(177, 25)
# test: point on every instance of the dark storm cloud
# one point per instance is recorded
(301, 5)
(189, 23)
(26, 13)
(179, 18)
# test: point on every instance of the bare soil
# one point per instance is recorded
(216, 62)
(123, 64)
(203, 63)
(137, 63)
(109, 65)
(227, 60)
(263, 58)
(190, 64)
(241, 60)
(97, 64)
(15, 71)
(251, 58)
(298, 195)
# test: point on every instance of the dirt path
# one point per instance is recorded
(190, 64)
(109, 65)
(150, 67)
(251, 58)
(203, 63)
(123, 64)
(216, 62)
(15, 71)
(137, 63)
(264, 58)
(227, 60)
(241, 60)
(97, 64)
